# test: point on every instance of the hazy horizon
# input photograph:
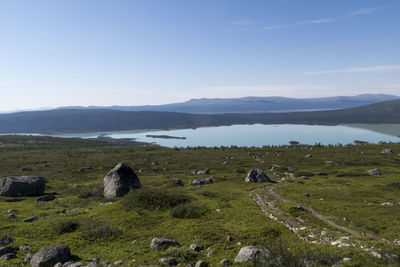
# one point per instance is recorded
(131, 53)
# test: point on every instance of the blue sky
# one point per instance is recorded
(95, 52)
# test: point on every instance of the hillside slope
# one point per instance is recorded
(257, 104)
(77, 120)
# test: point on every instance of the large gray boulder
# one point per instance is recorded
(50, 256)
(22, 186)
(250, 253)
(119, 181)
(159, 243)
(257, 176)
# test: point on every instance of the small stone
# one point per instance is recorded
(117, 263)
(10, 216)
(201, 264)
(24, 247)
(195, 248)
(224, 262)
(168, 261)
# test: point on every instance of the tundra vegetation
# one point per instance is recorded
(220, 217)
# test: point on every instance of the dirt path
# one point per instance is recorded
(319, 216)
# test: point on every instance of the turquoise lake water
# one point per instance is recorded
(252, 135)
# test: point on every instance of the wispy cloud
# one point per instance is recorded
(363, 11)
(244, 22)
(314, 21)
(382, 68)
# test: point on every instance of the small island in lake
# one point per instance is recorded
(165, 136)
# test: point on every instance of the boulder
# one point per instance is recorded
(177, 181)
(159, 243)
(374, 171)
(250, 253)
(257, 176)
(22, 186)
(202, 181)
(119, 181)
(49, 256)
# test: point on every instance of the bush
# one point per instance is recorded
(153, 199)
(64, 227)
(96, 230)
(188, 210)
(181, 253)
(393, 186)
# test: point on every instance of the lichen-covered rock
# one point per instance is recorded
(250, 253)
(22, 186)
(257, 176)
(202, 181)
(159, 242)
(168, 261)
(201, 264)
(49, 256)
(374, 171)
(120, 180)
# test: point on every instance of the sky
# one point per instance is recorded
(131, 52)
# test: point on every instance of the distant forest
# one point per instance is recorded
(83, 120)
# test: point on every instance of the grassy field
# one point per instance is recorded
(122, 230)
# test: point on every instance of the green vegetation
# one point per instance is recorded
(122, 228)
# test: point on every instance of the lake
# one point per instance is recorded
(257, 135)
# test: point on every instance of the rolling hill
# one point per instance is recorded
(88, 120)
(256, 104)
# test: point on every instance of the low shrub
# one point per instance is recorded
(188, 210)
(151, 199)
(181, 253)
(97, 230)
(63, 227)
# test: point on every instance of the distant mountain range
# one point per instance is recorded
(255, 104)
(100, 120)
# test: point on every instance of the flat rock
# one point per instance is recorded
(17, 186)
(119, 181)
(51, 255)
(202, 181)
(257, 176)
(386, 151)
(46, 198)
(159, 243)
(30, 219)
